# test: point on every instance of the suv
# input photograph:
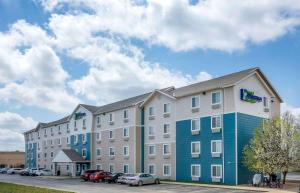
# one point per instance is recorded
(85, 175)
(112, 178)
(99, 176)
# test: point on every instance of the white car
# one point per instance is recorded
(14, 171)
(43, 172)
(141, 179)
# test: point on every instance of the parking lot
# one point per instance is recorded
(76, 185)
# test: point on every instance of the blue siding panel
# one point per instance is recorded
(31, 155)
(79, 146)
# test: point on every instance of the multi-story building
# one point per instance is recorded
(192, 133)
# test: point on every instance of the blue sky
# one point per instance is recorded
(99, 56)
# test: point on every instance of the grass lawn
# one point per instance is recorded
(14, 188)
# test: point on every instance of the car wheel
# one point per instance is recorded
(157, 181)
(140, 183)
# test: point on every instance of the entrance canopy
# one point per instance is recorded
(69, 156)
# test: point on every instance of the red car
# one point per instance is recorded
(85, 175)
(99, 176)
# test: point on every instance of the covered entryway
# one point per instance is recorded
(69, 162)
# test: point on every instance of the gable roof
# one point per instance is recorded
(57, 122)
(90, 108)
(166, 92)
(68, 155)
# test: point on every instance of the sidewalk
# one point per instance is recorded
(246, 188)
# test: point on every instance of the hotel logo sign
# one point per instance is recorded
(249, 96)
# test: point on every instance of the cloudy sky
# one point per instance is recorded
(55, 54)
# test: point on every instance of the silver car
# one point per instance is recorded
(14, 171)
(122, 179)
(141, 179)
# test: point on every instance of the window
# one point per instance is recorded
(58, 129)
(84, 138)
(125, 114)
(126, 151)
(195, 171)
(39, 155)
(83, 152)
(112, 151)
(166, 149)
(98, 152)
(167, 170)
(51, 154)
(51, 130)
(111, 134)
(75, 124)
(166, 128)
(167, 108)
(216, 98)
(78, 167)
(195, 102)
(151, 111)
(68, 167)
(51, 142)
(59, 141)
(216, 146)
(75, 139)
(266, 102)
(216, 122)
(98, 136)
(67, 127)
(111, 117)
(45, 132)
(195, 125)
(45, 143)
(195, 147)
(151, 150)
(151, 169)
(111, 168)
(216, 171)
(125, 168)
(98, 120)
(126, 132)
(38, 144)
(45, 155)
(68, 140)
(83, 122)
(38, 134)
(151, 131)
(99, 167)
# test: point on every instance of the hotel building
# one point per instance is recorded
(192, 133)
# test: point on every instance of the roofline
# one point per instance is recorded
(152, 94)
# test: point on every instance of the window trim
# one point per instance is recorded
(167, 144)
(211, 171)
(154, 150)
(113, 148)
(266, 101)
(170, 174)
(85, 138)
(168, 129)
(164, 108)
(99, 148)
(127, 168)
(127, 111)
(211, 98)
(126, 146)
(154, 168)
(195, 142)
(211, 145)
(127, 132)
(149, 131)
(100, 136)
(216, 116)
(114, 166)
(196, 96)
(196, 165)
(153, 111)
(100, 168)
(113, 134)
(198, 120)
(112, 117)
(84, 149)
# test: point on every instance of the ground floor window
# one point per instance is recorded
(84, 167)
(68, 167)
(151, 169)
(216, 171)
(112, 168)
(167, 169)
(99, 167)
(78, 167)
(195, 170)
(125, 168)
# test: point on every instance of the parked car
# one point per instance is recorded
(85, 175)
(3, 170)
(44, 172)
(122, 179)
(25, 172)
(141, 179)
(112, 178)
(32, 171)
(14, 171)
(99, 176)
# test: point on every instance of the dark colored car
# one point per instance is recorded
(112, 178)
(99, 176)
(25, 172)
(85, 175)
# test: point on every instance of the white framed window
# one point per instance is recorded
(151, 131)
(216, 146)
(195, 102)
(195, 125)
(38, 133)
(167, 169)
(83, 122)
(38, 144)
(216, 171)
(78, 168)
(111, 168)
(166, 128)
(151, 149)
(166, 149)
(98, 120)
(59, 141)
(98, 136)
(75, 139)
(196, 170)
(75, 124)
(112, 151)
(111, 134)
(125, 114)
(51, 142)
(216, 98)
(59, 128)
(111, 117)
(51, 154)
(125, 150)
(126, 132)
(68, 167)
(84, 138)
(195, 147)
(151, 111)
(98, 152)
(68, 127)
(45, 132)
(216, 122)
(68, 140)
(125, 168)
(84, 152)
(151, 169)
(99, 167)
(167, 108)
(266, 102)
(51, 130)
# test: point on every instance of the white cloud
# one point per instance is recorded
(31, 70)
(294, 110)
(12, 125)
(211, 24)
